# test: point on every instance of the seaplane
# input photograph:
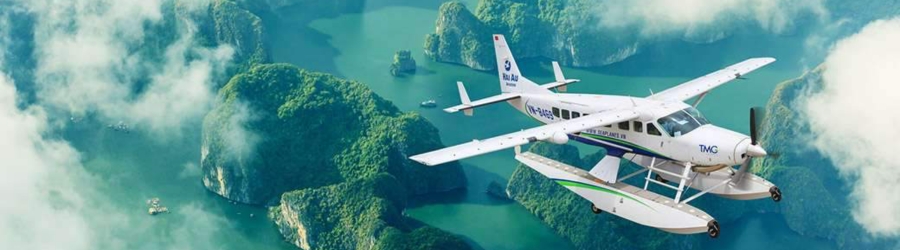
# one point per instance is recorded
(662, 133)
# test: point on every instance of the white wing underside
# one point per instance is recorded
(710, 81)
(479, 147)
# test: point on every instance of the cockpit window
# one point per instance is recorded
(696, 115)
(682, 122)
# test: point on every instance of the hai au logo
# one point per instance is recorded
(507, 65)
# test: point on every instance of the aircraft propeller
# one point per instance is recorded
(755, 151)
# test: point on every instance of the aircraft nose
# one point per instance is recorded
(755, 151)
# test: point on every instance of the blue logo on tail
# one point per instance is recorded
(507, 65)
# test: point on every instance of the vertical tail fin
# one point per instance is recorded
(511, 79)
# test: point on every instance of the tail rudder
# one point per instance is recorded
(511, 79)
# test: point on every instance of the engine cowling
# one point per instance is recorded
(558, 138)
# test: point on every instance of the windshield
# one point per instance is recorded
(682, 122)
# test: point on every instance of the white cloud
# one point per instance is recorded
(88, 60)
(31, 186)
(854, 119)
(189, 170)
(692, 17)
(239, 140)
(37, 188)
(181, 91)
(51, 202)
(199, 229)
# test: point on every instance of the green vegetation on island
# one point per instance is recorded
(403, 63)
(342, 148)
(557, 29)
(229, 23)
(315, 130)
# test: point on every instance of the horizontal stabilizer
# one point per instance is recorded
(464, 97)
(554, 85)
(561, 82)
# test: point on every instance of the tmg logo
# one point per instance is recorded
(709, 149)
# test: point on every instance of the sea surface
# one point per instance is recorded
(360, 47)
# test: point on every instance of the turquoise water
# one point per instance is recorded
(135, 167)
(360, 47)
(764, 231)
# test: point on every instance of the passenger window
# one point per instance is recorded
(556, 112)
(638, 127)
(565, 114)
(608, 125)
(623, 125)
(575, 114)
(651, 129)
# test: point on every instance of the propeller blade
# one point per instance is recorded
(756, 117)
(753, 135)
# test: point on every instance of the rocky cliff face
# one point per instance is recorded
(367, 216)
(231, 24)
(460, 38)
(403, 63)
(359, 214)
(365, 212)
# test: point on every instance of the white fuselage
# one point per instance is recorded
(705, 144)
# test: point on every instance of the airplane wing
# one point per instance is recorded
(708, 82)
(479, 147)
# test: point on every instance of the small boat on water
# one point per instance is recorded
(428, 104)
(156, 207)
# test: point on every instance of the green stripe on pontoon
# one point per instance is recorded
(569, 183)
